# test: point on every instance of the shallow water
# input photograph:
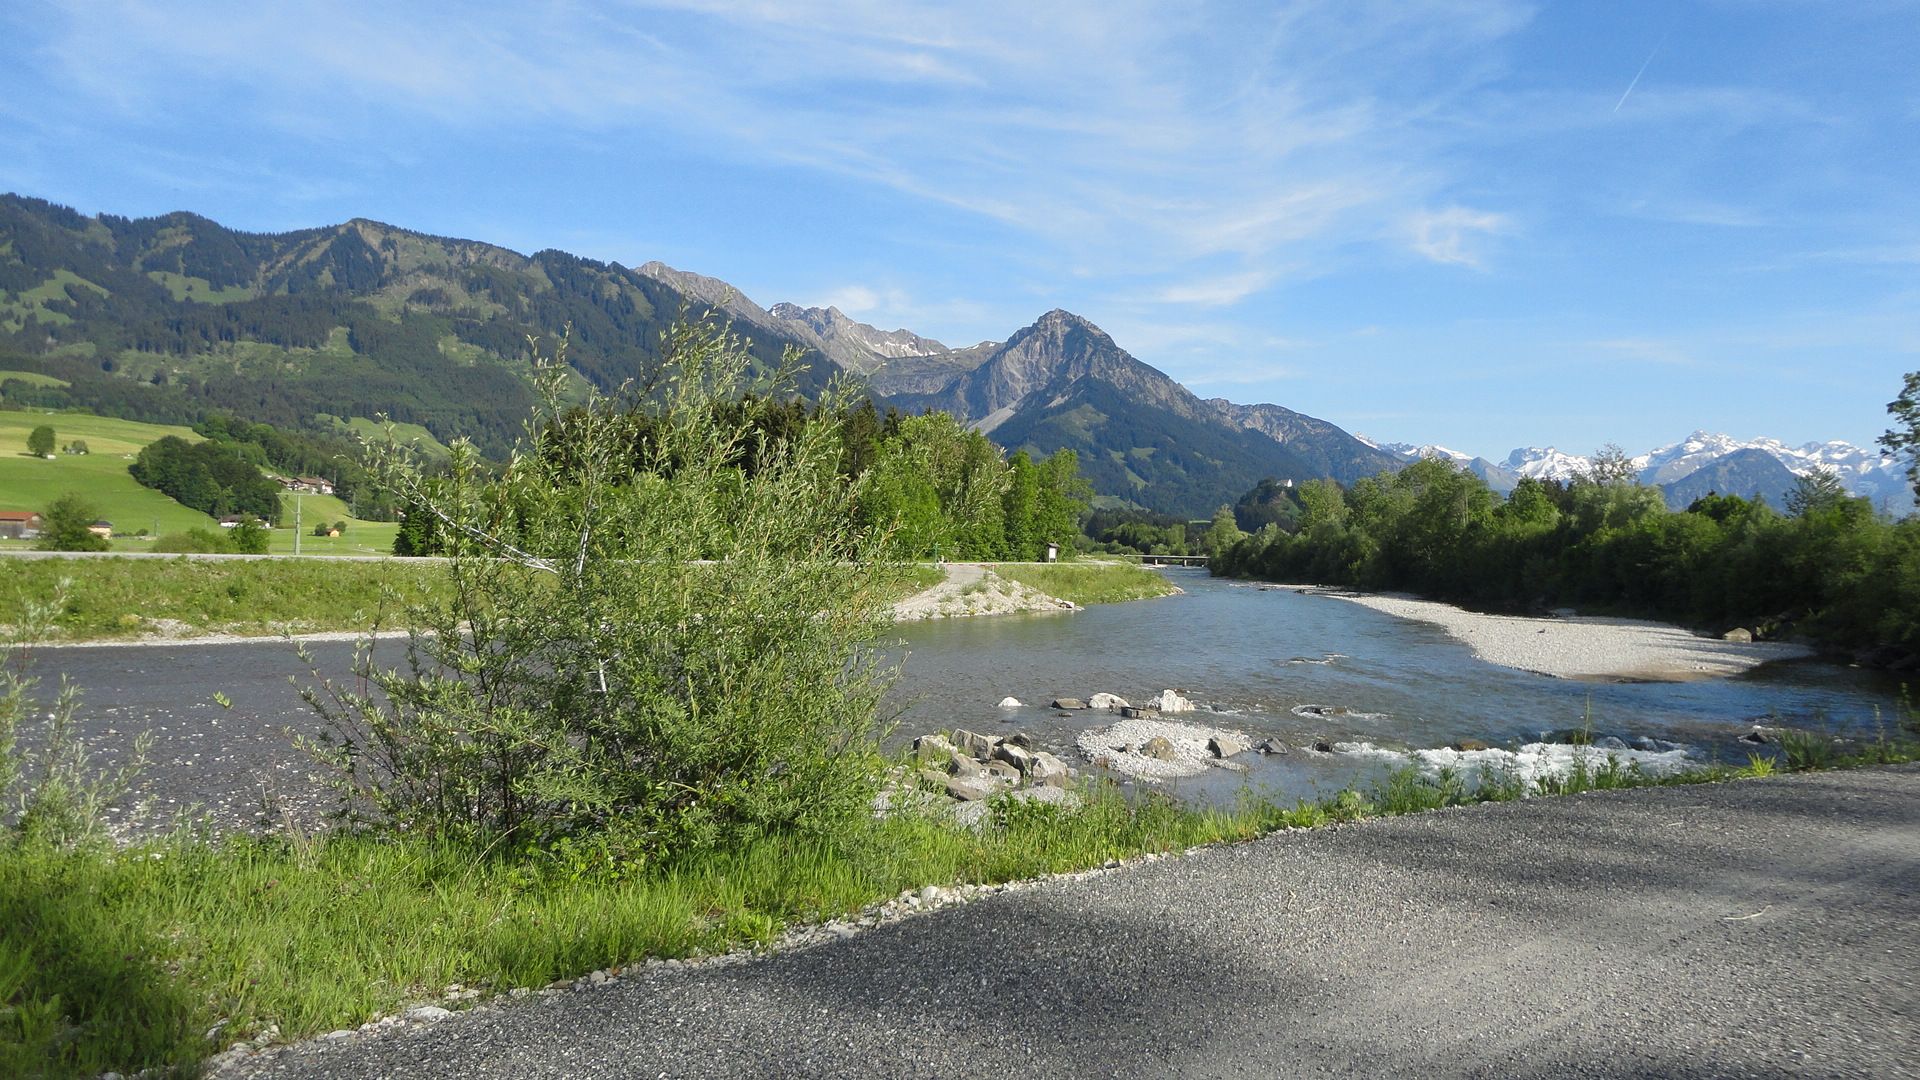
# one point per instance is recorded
(1274, 663)
(1306, 668)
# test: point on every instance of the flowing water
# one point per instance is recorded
(1306, 668)
(1271, 663)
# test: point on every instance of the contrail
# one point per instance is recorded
(1642, 71)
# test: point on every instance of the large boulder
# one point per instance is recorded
(969, 790)
(1132, 713)
(1739, 635)
(1045, 769)
(1106, 701)
(1160, 749)
(1273, 746)
(1014, 756)
(1068, 703)
(966, 768)
(1011, 702)
(1170, 701)
(933, 748)
(973, 744)
(1224, 745)
(1003, 773)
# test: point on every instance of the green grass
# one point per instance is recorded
(14, 313)
(359, 538)
(123, 598)
(101, 476)
(374, 431)
(1091, 582)
(31, 378)
(29, 483)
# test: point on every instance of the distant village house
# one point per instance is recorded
(102, 529)
(307, 485)
(19, 525)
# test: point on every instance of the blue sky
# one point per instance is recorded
(1480, 224)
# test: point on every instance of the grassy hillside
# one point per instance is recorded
(30, 483)
(101, 476)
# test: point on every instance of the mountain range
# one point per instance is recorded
(175, 317)
(1703, 463)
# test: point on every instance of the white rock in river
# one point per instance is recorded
(1106, 701)
(1170, 701)
(1010, 702)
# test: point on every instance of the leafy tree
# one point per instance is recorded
(67, 526)
(40, 441)
(1904, 436)
(1610, 466)
(1223, 533)
(77, 446)
(249, 537)
(637, 656)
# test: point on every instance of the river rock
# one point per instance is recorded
(1273, 746)
(1106, 701)
(978, 746)
(1068, 703)
(966, 768)
(1609, 742)
(1003, 772)
(1014, 756)
(1225, 746)
(1739, 634)
(1134, 713)
(933, 779)
(1011, 702)
(1021, 739)
(969, 790)
(934, 748)
(1469, 745)
(1160, 749)
(1045, 769)
(1170, 701)
(1322, 746)
(1756, 737)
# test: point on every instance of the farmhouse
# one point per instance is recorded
(19, 525)
(102, 529)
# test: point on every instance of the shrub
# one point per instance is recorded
(644, 649)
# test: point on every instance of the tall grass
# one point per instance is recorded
(131, 598)
(1095, 582)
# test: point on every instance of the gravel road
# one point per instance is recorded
(1764, 928)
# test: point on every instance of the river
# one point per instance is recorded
(1299, 668)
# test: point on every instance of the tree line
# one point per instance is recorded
(1825, 564)
(932, 487)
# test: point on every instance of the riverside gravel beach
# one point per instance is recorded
(1581, 646)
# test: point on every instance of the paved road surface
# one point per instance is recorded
(1764, 929)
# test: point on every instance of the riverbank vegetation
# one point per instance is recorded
(1089, 581)
(1825, 566)
(108, 599)
(128, 958)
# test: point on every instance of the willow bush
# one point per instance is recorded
(642, 649)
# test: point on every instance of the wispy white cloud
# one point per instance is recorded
(1454, 234)
(1119, 134)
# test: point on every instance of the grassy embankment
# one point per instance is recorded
(101, 477)
(1094, 581)
(124, 959)
(127, 599)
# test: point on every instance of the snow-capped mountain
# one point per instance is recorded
(1546, 463)
(1864, 472)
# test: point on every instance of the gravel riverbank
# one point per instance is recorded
(1582, 647)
